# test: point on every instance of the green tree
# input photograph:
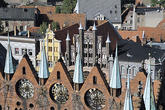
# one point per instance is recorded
(68, 6)
(43, 27)
(158, 2)
(58, 9)
(55, 25)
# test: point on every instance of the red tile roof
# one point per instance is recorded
(131, 35)
(66, 20)
(157, 34)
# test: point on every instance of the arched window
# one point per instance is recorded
(24, 70)
(58, 74)
(94, 80)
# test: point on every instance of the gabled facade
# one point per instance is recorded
(52, 48)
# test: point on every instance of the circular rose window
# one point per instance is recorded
(95, 99)
(59, 93)
(25, 88)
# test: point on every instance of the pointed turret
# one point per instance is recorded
(144, 39)
(128, 105)
(9, 69)
(68, 50)
(108, 39)
(134, 18)
(80, 27)
(77, 10)
(143, 35)
(115, 80)
(67, 37)
(81, 42)
(107, 49)
(94, 27)
(43, 71)
(148, 96)
(78, 72)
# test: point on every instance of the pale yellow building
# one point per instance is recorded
(52, 49)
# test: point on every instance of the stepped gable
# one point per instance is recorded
(30, 65)
(96, 80)
(10, 92)
(60, 75)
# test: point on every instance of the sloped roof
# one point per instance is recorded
(43, 9)
(157, 34)
(111, 9)
(134, 52)
(17, 13)
(131, 34)
(161, 24)
(66, 20)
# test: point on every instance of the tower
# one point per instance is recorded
(78, 78)
(68, 50)
(43, 71)
(94, 29)
(115, 80)
(81, 41)
(77, 10)
(107, 49)
(128, 105)
(9, 69)
(143, 38)
(148, 97)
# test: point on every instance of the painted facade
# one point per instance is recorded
(52, 48)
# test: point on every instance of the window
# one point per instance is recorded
(50, 40)
(58, 74)
(31, 105)
(38, 63)
(16, 51)
(6, 23)
(21, 28)
(55, 58)
(52, 108)
(56, 49)
(50, 64)
(115, 11)
(94, 80)
(110, 11)
(115, 6)
(50, 58)
(30, 52)
(50, 49)
(24, 70)
(24, 51)
(130, 21)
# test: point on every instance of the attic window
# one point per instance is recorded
(115, 6)
(25, 10)
(24, 70)
(115, 11)
(94, 80)
(58, 74)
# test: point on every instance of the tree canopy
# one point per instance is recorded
(68, 6)
(158, 2)
(55, 25)
(43, 27)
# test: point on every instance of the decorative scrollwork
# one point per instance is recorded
(95, 99)
(59, 93)
(25, 88)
